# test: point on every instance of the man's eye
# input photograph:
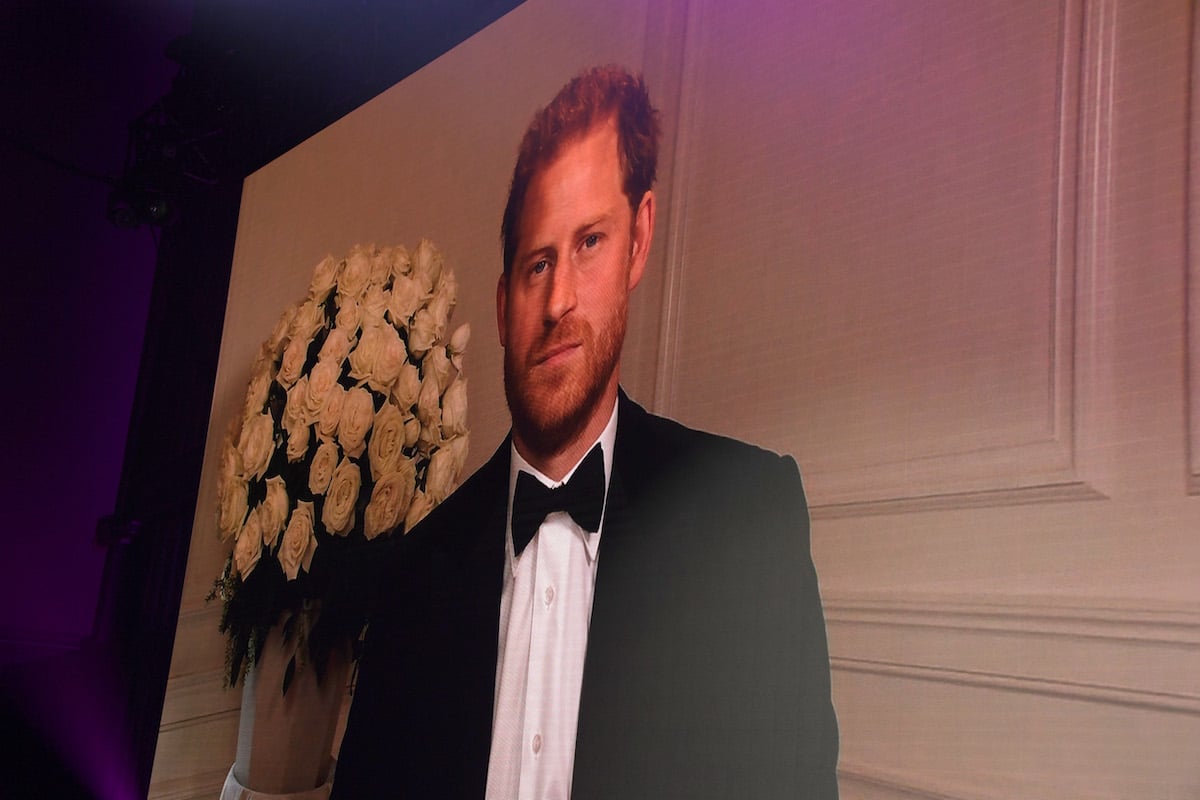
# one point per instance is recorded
(592, 240)
(539, 266)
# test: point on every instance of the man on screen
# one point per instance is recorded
(650, 627)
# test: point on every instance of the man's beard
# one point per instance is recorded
(548, 412)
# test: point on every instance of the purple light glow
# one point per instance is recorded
(74, 327)
(69, 703)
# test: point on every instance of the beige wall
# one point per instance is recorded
(936, 250)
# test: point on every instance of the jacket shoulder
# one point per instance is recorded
(659, 443)
(468, 506)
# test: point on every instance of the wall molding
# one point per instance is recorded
(1192, 271)
(885, 784)
(1116, 651)
(1072, 690)
(199, 721)
(198, 695)
(675, 229)
(1061, 492)
(199, 644)
(1108, 618)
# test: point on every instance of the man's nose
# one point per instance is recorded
(562, 291)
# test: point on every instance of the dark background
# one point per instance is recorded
(128, 126)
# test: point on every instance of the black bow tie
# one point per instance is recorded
(582, 497)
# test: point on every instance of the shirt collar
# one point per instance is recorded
(517, 464)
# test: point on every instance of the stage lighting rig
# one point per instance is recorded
(175, 150)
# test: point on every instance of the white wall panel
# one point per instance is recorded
(935, 251)
(880, 267)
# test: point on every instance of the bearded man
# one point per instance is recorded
(614, 606)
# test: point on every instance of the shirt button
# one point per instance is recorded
(537, 743)
(549, 595)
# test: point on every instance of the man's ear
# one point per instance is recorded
(643, 234)
(502, 306)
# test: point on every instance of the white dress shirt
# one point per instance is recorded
(545, 609)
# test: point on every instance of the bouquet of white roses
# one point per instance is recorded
(353, 427)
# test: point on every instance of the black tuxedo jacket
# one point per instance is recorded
(707, 670)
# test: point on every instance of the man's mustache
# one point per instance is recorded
(564, 334)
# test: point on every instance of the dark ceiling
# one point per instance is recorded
(257, 78)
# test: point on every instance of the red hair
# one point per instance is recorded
(591, 98)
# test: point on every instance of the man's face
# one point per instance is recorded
(562, 308)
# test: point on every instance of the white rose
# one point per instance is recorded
(297, 444)
(321, 381)
(248, 548)
(440, 476)
(412, 431)
(349, 316)
(331, 414)
(258, 391)
(335, 348)
(296, 420)
(324, 277)
(381, 267)
(389, 360)
(294, 356)
(265, 359)
(338, 514)
(427, 264)
(299, 542)
(459, 447)
(274, 344)
(447, 291)
(420, 506)
(357, 415)
(408, 387)
(404, 299)
(373, 304)
(232, 505)
(389, 502)
(458, 345)
(401, 263)
(295, 408)
(454, 409)
(233, 435)
(355, 273)
(230, 468)
(429, 437)
(366, 353)
(423, 333)
(428, 410)
(324, 463)
(385, 449)
(257, 444)
(273, 510)
(440, 308)
(437, 364)
(309, 319)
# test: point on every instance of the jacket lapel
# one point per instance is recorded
(463, 560)
(604, 703)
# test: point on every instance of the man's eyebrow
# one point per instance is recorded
(598, 220)
(523, 254)
(544, 250)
